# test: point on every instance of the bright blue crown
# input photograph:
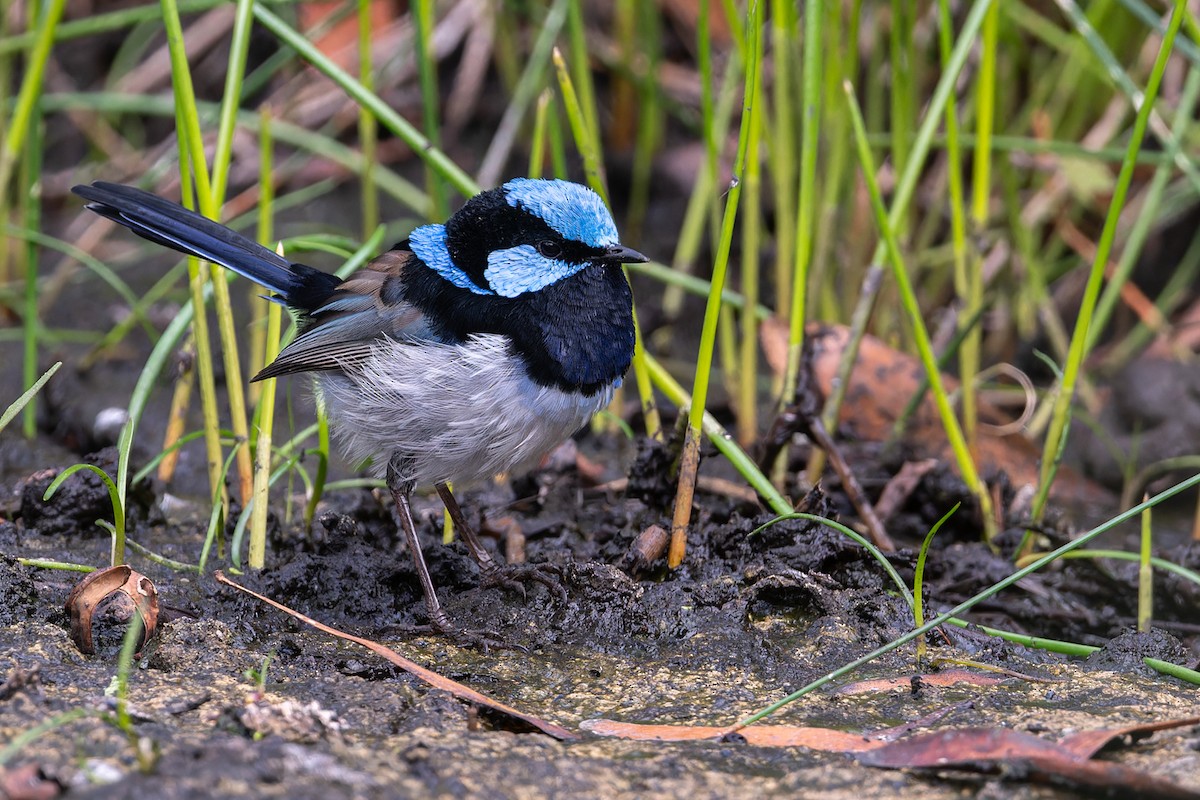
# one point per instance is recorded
(573, 211)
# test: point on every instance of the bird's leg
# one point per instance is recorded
(401, 490)
(508, 576)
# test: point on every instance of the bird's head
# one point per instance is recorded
(523, 237)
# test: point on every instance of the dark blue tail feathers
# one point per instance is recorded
(171, 225)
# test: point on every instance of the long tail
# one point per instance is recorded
(174, 226)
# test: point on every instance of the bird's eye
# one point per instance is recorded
(549, 249)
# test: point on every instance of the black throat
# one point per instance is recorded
(575, 335)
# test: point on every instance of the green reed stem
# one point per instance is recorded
(1056, 435)
(806, 212)
(690, 458)
(908, 299)
(368, 128)
(594, 171)
(751, 214)
(783, 147)
(117, 549)
(423, 11)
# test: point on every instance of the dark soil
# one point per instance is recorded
(233, 698)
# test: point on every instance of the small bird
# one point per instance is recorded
(469, 349)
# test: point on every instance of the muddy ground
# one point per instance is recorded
(745, 621)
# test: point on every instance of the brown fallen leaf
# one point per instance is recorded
(429, 676)
(1015, 754)
(1086, 744)
(824, 739)
(881, 383)
(92, 590)
(948, 677)
(28, 782)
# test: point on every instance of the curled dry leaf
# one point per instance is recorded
(90, 592)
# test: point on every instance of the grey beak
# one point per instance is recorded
(620, 254)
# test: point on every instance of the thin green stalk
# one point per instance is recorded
(902, 56)
(690, 458)
(1056, 435)
(117, 549)
(368, 128)
(751, 213)
(423, 12)
(594, 172)
(905, 187)
(265, 412)
(239, 47)
(537, 148)
(1149, 214)
(971, 602)
(256, 557)
(1145, 612)
(810, 107)
(783, 147)
(198, 284)
(908, 299)
(15, 407)
(31, 89)
(919, 580)
(581, 73)
(25, 122)
(30, 206)
(981, 190)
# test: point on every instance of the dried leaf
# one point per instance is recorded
(429, 676)
(948, 677)
(1086, 744)
(95, 587)
(1000, 751)
(824, 739)
(28, 782)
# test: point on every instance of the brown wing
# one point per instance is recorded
(366, 306)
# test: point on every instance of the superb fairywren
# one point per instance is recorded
(469, 349)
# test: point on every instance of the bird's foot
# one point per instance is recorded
(514, 577)
(483, 640)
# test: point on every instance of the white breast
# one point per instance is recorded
(457, 413)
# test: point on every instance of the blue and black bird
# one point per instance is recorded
(469, 349)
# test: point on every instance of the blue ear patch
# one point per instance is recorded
(522, 269)
(429, 243)
(573, 211)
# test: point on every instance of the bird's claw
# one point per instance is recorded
(513, 576)
(483, 640)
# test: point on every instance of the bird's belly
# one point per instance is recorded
(450, 412)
